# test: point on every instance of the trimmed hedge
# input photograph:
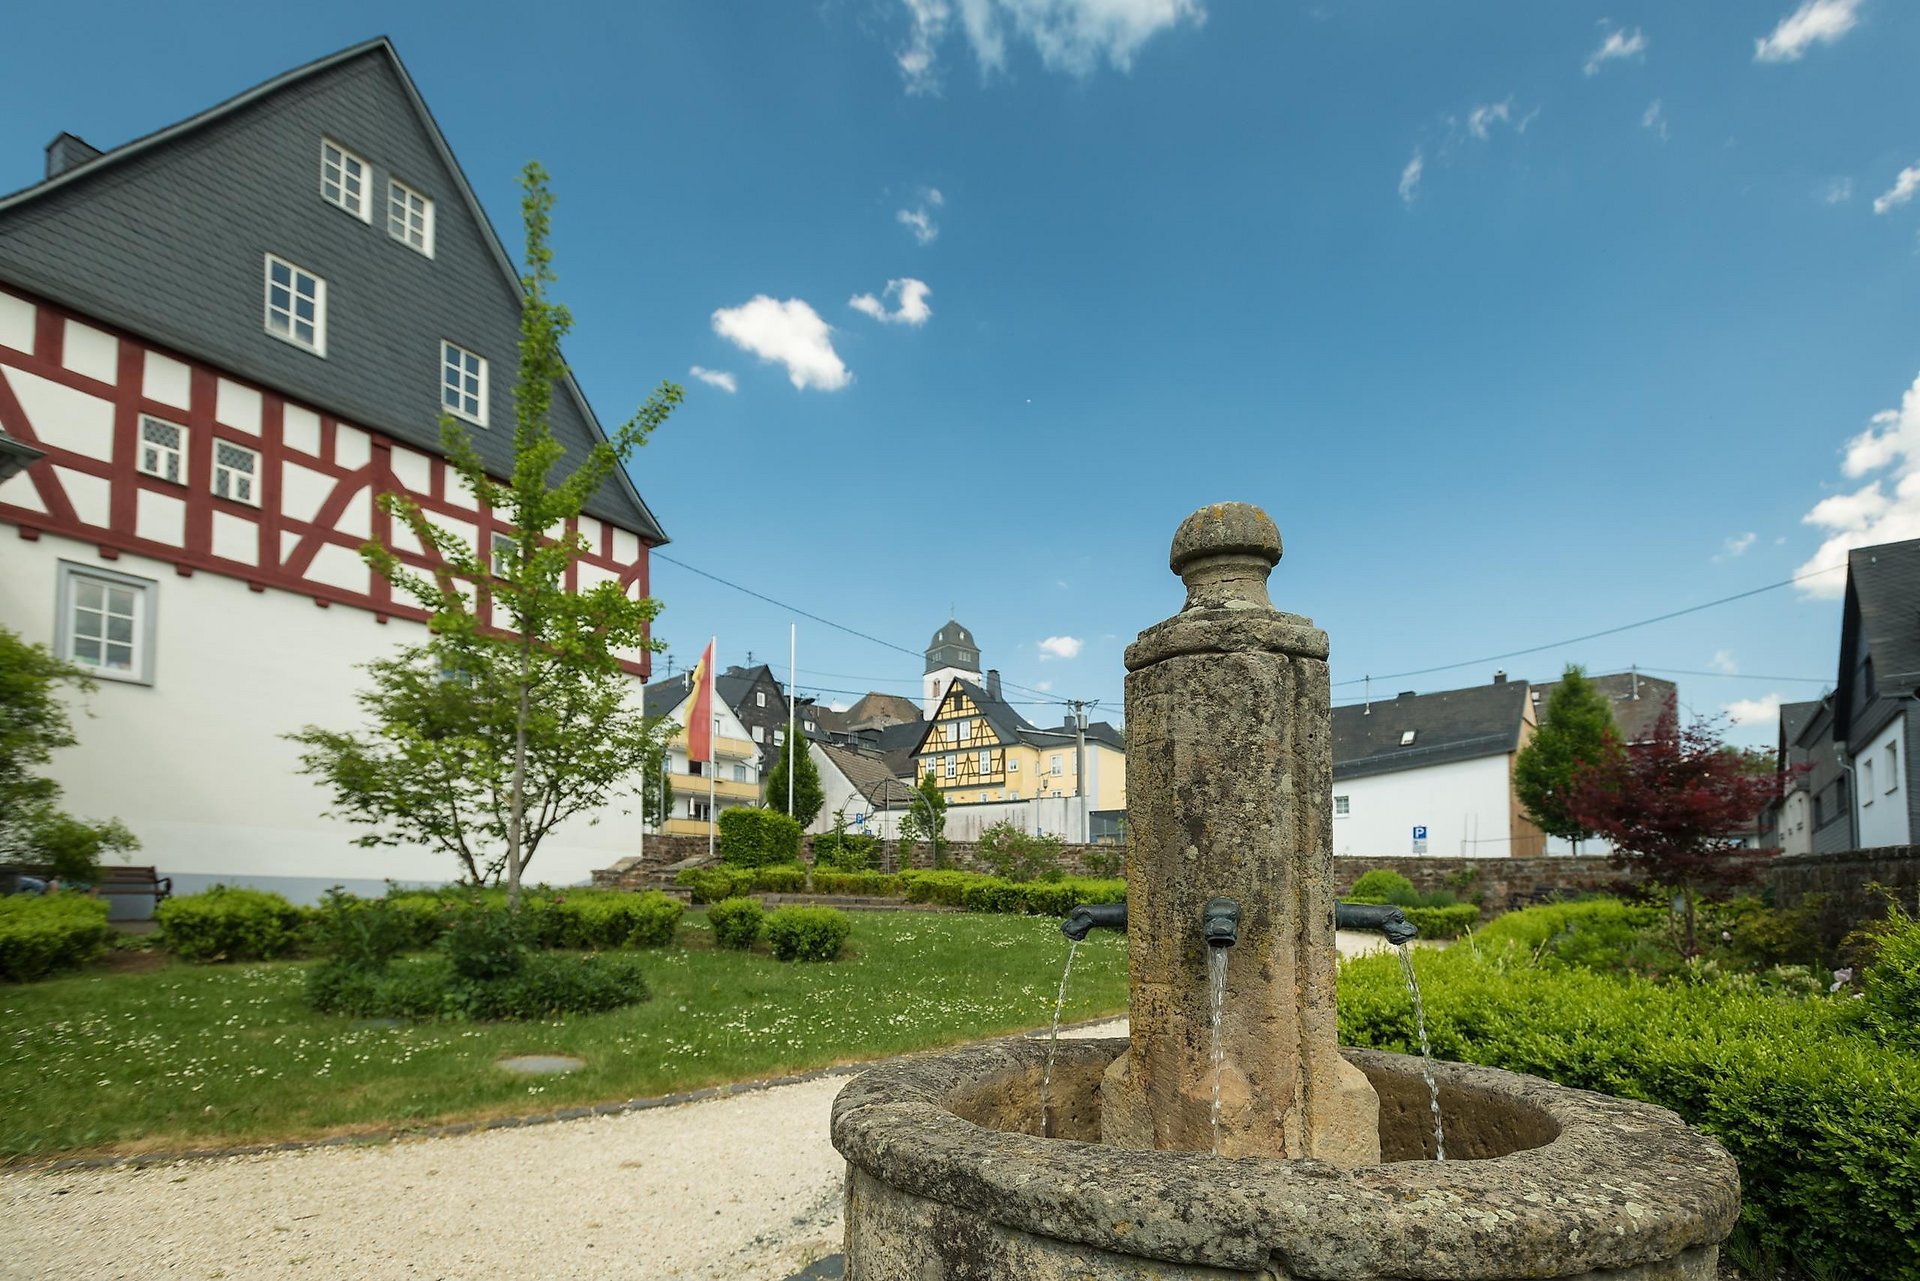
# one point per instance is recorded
(872, 884)
(781, 878)
(1892, 983)
(756, 837)
(596, 920)
(227, 923)
(1443, 922)
(979, 893)
(41, 934)
(737, 922)
(1820, 1118)
(807, 933)
(429, 987)
(711, 884)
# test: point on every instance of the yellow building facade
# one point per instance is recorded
(979, 751)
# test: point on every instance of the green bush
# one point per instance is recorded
(873, 884)
(978, 893)
(367, 933)
(1892, 982)
(757, 838)
(1383, 886)
(807, 933)
(1820, 1118)
(1016, 854)
(599, 919)
(736, 922)
(780, 878)
(485, 943)
(428, 987)
(227, 923)
(943, 886)
(1535, 928)
(844, 851)
(991, 894)
(1443, 922)
(711, 884)
(43, 933)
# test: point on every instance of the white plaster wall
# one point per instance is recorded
(1462, 804)
(1047, 815)
(195, 764)
(841, 794)
(1882, 813)
(1796, 824)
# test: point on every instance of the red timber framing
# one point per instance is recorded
(287, 545)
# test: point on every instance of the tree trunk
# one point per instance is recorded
(517, 800)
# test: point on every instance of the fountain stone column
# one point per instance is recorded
(1229, 793)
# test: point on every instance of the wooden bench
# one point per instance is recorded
(132, 892)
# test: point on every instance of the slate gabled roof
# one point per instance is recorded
(868, 772)
(166, 237)
(1453, 725)
(1637, 699)
(1883, 610)
(1794, 717)
(661, 697)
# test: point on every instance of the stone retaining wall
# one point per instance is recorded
(1840, 881)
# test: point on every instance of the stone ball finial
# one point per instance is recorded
(1223, 553)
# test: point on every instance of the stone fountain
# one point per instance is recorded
(1317, 1162)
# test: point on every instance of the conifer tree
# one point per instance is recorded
(1578, 729)
(808, 795)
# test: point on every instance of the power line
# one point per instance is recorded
(1610, 631)
(1740, 676)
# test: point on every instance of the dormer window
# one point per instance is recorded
(409, 217)
(343, 180)
(1406, 739)
(463, 383)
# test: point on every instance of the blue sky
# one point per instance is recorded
(1524, 321)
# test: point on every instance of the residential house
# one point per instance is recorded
(760, 701)
(1638, 702)
(1433, 774)
(702, 790)
(226, 338)
(862, 790)
(1873, 724)
(1827, 784)
(1788, 823)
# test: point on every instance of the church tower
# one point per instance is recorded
(951, 656)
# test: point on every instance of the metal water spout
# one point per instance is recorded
(1222, 928)
(1220, 923)
(1082, 920)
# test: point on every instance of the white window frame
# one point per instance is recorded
(1893, 768)
(224, 471)
(953, 767)
(447, 364)
(1866, 792)
(1013, 766)
(986, 761)
(1407, 737)
(1342, 806)
(340, 197)
(146, 595)
(759, 734)
(1055, 763)
(759, 698)
(178, 453)
(290, 334)
(497, 546)
(399, 222)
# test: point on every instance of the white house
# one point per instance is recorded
(226, 339)
(862, 787)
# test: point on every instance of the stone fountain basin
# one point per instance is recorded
(948, 1180)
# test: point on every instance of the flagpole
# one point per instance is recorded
(713, 747)
(793, 748)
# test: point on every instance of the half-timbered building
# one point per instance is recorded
(222, 341)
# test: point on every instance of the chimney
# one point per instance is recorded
(1500, 677)
(67, 152)
(993, 684)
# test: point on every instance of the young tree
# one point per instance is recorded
(808, 795)
(496, 730)
(1578, 728)
(656, 789)
(1673, 807)
(926, 819)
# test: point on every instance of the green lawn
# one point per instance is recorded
(190, 1056)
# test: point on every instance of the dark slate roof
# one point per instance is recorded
(662, 697)
(1883, 609)
(1638, 700)
(166, 237)
(870, 772)
(875, 706)
(1097, 732)
(736, 683)
(1794, 717)
(953, 646)
(1454, 725)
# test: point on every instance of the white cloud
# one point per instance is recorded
(1410, 176)
(716, 378)
(1045, 687)
(912, 310)
(1482, 118)
(1737, 545)
(1060, 647)
(1814, 22)
(920, 219)
(1618, 44)
(790, 333)
(1885, 510)
(1723, 662)
(1838, 191)
(1073, 36)
(1655, 119)
(1900, 192)
(1754, 711)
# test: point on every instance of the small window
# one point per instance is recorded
(779, 738)
(986, 762)
(296, 305)
(1406, 739)
(1866, 790)
(1054, 764)
(343, 180)
(163, 449)
(1340, 807)
(236, 471)
(696, 768)
(740, 774)
(759, 698)
(463, 383)
(699, 810)
(1013, 767)
(1014, 795)
(409, 217)
(759, 734)
(106, 623)
(1893, 768)
(953, 766)
(502, 554)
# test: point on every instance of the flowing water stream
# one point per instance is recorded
(1426, 1051)
(1053, 1044)
(1217, 994)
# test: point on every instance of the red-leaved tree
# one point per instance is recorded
(1674, 807)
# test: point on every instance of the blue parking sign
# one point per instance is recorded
(1419, 833)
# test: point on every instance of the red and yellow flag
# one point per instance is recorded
(700, 715)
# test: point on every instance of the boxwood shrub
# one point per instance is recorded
(870, 884)
(600, 919)
(1443, 922)
(979, 893)
(736, 922)
(427, 986)
(711, 884)
(807, 933)
(227, 923)
(41, 934)
(752, 837)
(780, 878)
(1820, 1117)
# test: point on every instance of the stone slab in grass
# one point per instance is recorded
(540, 1064)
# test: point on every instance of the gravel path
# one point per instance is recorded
(746, 1186)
